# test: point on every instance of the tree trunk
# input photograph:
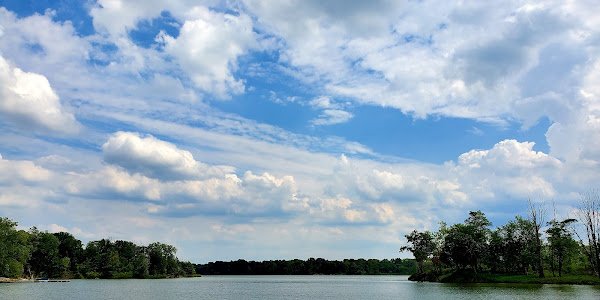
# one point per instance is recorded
(560, 268)
(539, 253)
(552, 264)
(536, 216)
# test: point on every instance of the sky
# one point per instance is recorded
(293, 129)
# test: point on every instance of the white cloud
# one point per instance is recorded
(37, 38)
(14, 171)
(508, 155)
(113, 183)
(322, 102)
(332, 116)
(208, 46)
(385, 213)
(258, 195)
(28, 101)
(155, 158)
(57, 228)
(462, 59)
(37, 44)
(510, 168)
(339, 208)
(494, 62)
(400, 183)
(21, 197)
(116, 17)
(235, 229)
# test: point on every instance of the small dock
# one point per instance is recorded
(52, 280)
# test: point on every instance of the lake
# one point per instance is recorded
(289, 287)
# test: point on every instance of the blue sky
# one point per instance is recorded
(292, 129)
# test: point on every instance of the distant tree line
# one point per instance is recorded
(522, 246)
(310, 266)
(40, 254)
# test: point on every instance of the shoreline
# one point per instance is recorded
(470, 278)
(26, 280)
(14, 280)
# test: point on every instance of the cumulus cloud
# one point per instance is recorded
(402, 183)
(498, 62)
(208, 46)
(339, 208)
(256, 195)
(116, 17)
(171, 182)
(508, 155)
(155, 158)
(385, 213)
(15, 171)
(113, 183)
(40, 46)
(510, 168)
(28, 101)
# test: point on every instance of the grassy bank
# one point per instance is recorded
(468, 276)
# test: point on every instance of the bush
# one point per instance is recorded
(123, 275)
(92, 275)
(15, 269)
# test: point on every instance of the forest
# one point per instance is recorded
(39, 254)
(537, 246)
(310, 266)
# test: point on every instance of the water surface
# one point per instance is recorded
(289, 287)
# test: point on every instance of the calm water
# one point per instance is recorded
(288, 287)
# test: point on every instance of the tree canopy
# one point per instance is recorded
(36, 253)
(521, 246)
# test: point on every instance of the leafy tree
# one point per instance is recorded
(71, 248)
(101, 259)
(495, 258)
(187, 268)
(439, 238)
(421, 245)
(127, 252)
(466, 244)
(561, 243)
(15, 249)
(478, 225)
(141, 263)
(162, 259)
(517, 249)
(45, 260)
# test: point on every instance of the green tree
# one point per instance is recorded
(466, 244)
(421, 245)
(15, 249)
(478, 224)
(513, 247)
(561, 243)
(101, 259)
(141, 263)
(187, 268)
(45, 260)
(162, 259)
(127, 252)
(71, 248)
